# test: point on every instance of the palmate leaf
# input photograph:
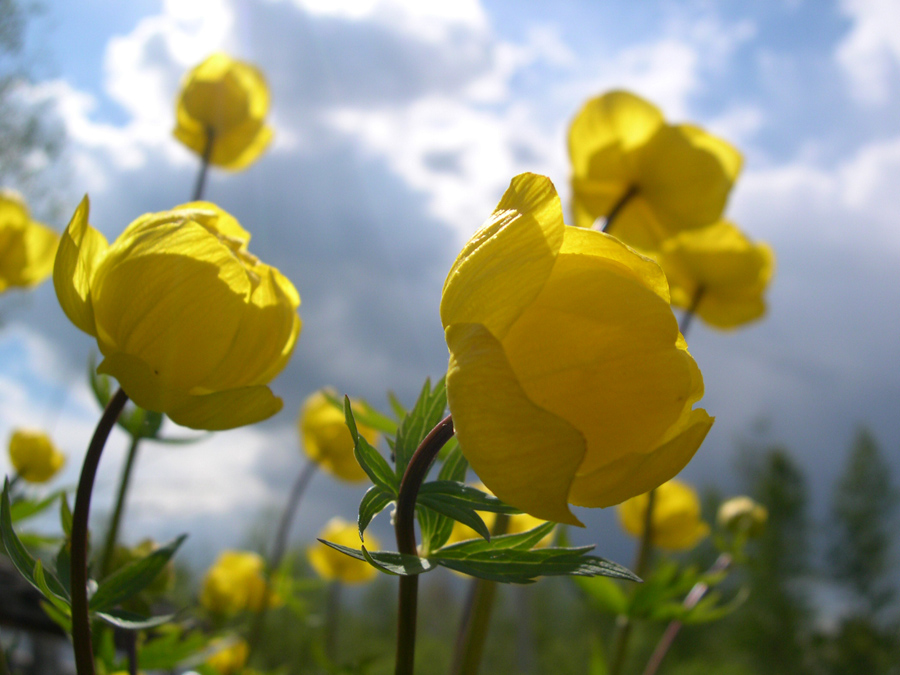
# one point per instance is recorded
(428, 411)
(375, 466)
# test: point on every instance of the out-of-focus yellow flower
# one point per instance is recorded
(34, 456)
(231, 658)
(742, 515)
(225, 101)
(27, 248)
(190, 323)
(676, 177)
(568, 381)
(676, 523)
(327, 440)
(333, 565)
(235, 583)
(731, 273)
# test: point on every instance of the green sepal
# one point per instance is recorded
(372, 503)
(389, 562)
(133, 578)
(375, 466)
(427, 412)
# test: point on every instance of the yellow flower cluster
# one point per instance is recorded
(27, 248)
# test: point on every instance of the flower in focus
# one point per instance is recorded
(225, 102)
(34, 456)
(665, 178)
(27, 248)
(675, 524)
(568, 380)
(231, 658)
(728, 271)
(190, 323)
(742, 515)
(327, 440)
(235, 583)
(331, 564)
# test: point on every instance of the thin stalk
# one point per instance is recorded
(332, 614)
(723, 562)
(12, 483)
(617, 208)
(204, 166)
(624, 624)
(81, 622)
(476, 617)
(131, 651)
(4, 667)
(688, 316)
(278, 548)
(112, 534)
(405, 531)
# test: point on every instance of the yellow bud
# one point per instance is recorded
(326, 438)
(742, 515)
(676, 523)
(34, 456)
(27, 248)
(230, 658)
(333, 565)
(235, 583)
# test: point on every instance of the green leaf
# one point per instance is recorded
(26, 508)
(131, 621)
(437, 528)
(373, 503)
(376, 466)
(398, 408)
(169, 648)
(387, 561)
(133, 578)
(455, 464)
(40, 580)
(365, 414)
(64, 567)
(457, 510)
(61, 619)
(464, 496)
(520, 541)
(65, 516)
(428, 411)
(604, 593)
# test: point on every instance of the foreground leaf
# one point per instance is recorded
(387, 561)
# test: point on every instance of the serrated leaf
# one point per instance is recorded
(455, 464)
(464, 496)
(604, 593)
(375, 466)
(65, 516)
(387, 561)
(457, 510)
(133, 578)
(426, 413)
(373, 502)
(520, 541)
(26, 508)
(131, 621)
(364, 414)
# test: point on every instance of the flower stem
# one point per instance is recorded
(112, 533)
(618, 206)
(81, 622)
(688, 316)
(405, 531)
(624, 624)
(204, 166)
(476, 617)
(332, 614)
(723, 562)
(278, 549)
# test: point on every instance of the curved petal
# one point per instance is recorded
(146, 387)
(505, 264)
(242, 145)
(227, 409)
(524, 454)
(81, 250)
(729, 156)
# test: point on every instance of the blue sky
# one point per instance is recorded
(398, 126)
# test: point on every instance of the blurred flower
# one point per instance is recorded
(568, 379)
(729, 271)
(333, 565)
(231, 658)
(226, 102)
(190, 323)
(327, 440)
(34, 456)
(235, 583)
(676, 523)
(666, 178)
(27, 248)
(742, 515)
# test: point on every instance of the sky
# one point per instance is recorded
(399, 124)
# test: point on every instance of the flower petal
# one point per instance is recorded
(227, 409)
(146, 387)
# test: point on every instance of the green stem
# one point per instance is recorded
(204, 166)
(112, 534)
(4, 667)
(688, 316)
(618, 206)
(476, 617)
(624, 624)
(332, 614)
(81, 622)
(405, 531)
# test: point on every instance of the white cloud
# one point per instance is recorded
(870, 53)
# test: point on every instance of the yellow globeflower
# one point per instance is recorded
(333, 565)
(730, 272)
(326, 438)
(27, 248)
(568, 381)
(190, 323)
(34, 456)
(235, 583)
(224, 101)
(231, 658)
(676, 523)
(667, 178)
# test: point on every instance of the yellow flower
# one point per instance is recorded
(235, 583)
(729, 271)
(327, 440)
(676, 523)
(568, 379)
(676, 177)
(742, 515)
(333, 565)
(27, 248)
(231, 658)
(228, 100)
(190, 323)
(33, 456)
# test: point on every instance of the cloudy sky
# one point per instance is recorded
(399, 124)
